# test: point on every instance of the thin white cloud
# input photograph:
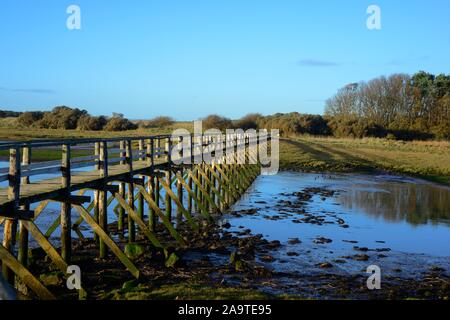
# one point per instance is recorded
(28, 90)
(317, 63)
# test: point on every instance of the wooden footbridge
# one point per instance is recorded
(139, 175)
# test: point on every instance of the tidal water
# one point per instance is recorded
(404, 223)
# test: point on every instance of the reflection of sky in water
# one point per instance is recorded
(411, 216)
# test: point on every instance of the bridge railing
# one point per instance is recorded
(100, 155)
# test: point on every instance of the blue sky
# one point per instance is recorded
(191, 58)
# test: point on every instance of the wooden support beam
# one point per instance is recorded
(18, 214)
(222, 184)
(211, 186)
(66, 216)
(187, 215)
(24, 275)
(73, 199)
(193, 196)
(108, 241)
(141, 224)
(203, 191)
(163, 217)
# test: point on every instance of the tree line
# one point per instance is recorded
(399, 106)
(66, 118)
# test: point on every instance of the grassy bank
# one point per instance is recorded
(427, 159)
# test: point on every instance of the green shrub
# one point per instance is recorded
(90, 123)
(250, 121)
(215, 121)
(28, 119)
(119, 124)
(158, 122)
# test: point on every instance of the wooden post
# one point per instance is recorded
(96, 192)
(23, 231)
(102, 198)
(140, 199)
(121, 219)
(66, 221)
(129, 160)
(10, 227)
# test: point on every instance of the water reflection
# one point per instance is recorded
(416, 203)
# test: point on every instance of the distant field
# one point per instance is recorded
(430, 160)
(14, 134)
(11, 133)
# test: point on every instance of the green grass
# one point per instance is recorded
(429, 160)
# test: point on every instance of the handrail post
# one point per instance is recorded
(14, 176)
(103, 159)
(158, 147)
(150, 152)
(169, 150)
(141, 149)
(192, 149)
(66, 223)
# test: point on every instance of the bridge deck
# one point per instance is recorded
(48, 188)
